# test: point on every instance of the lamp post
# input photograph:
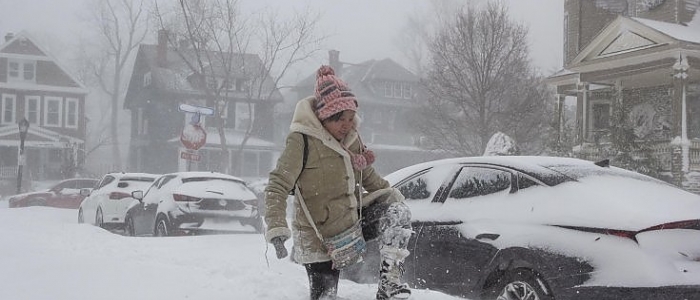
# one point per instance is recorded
(23, 128)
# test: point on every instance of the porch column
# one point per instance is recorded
(560, 115)
(679, 159)
(581, 112)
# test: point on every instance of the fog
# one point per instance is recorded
(359, 29)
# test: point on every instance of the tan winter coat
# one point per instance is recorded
(327, 184)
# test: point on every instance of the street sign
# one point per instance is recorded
(190, 156)
(193, 136)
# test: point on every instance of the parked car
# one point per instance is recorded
(545, 228)
(106, 205)
(65, 194)
(190, 202)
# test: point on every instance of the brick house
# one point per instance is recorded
(388, 96)
(642, 57)
(33, 85)
(162, 80)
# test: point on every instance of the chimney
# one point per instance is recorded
(334, 61)
(9, 36)
(162, 48)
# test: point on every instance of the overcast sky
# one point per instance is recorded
(359, 29)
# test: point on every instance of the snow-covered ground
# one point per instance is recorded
(46, 254)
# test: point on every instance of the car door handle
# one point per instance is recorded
(488, 236)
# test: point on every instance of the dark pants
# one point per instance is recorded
(376, 219)
(323, 280)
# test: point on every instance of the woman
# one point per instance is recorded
(326, 163)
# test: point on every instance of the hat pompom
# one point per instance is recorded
(324, 70)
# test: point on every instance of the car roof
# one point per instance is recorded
(544, 168)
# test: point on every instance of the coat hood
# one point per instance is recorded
(305, 121)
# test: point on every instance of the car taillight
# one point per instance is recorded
(686, 224)
(185, 198)
(118, 195)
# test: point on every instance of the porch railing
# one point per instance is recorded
(661, 151)
(8, 172)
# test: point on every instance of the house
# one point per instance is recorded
(163, 79)
(642, 58)
(388, 96)
(34, 86)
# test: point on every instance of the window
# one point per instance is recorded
(147, 79)
(388, 89)
(71, 112)
(13, 70)
(53, 111)
(425, 184)
(397, 90)
(475, 181)
(21, 70)
(601, 116)
(407, 91)
(244, 115)
(32, 109)
(9, 107)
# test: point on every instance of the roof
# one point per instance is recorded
(176, 75)
(24, 45)
(629, 41)
(359, 78)
(688, 33)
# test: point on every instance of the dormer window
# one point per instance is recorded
(399, 90)
(21, 70)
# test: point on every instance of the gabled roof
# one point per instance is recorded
(359, 76)
(22, 45)
(635, 35)
(175, 75)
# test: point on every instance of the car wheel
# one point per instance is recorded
(129, 226)
(520, 284)
(81, 218)
(99, 218)
(162, 227)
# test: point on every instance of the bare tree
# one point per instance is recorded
(480, 82)
(225, 45)
(120, 25)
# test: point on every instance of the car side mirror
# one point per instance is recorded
(138, 195)
(85, 192)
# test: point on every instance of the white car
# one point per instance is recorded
(547, 228)
(106, 205)
(194, 202)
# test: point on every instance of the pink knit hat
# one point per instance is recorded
(332, 94)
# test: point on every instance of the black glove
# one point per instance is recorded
(281, 251)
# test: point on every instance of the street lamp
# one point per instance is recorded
(23, 128)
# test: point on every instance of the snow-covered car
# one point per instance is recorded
(64, 194)
(106, 205)
(190, 202)
(515, 227)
